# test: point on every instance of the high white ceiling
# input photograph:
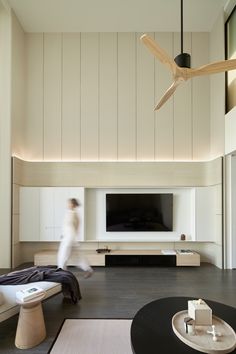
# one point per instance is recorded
(115, 15)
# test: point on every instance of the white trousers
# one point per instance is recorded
(64, 252)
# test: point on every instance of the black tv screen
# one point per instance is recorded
(139, 212)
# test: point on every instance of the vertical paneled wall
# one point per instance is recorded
(145, 102)
(90, 44)
(6, 35)
(52, 96)
(90, 96)
(200, 98)
(182, 101)
(164, 118)
(18, 92)
(71, 97)
(34, 113)
(18, 66)
(217, 89)
(126, 96)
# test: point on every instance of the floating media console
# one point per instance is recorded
(134, 258)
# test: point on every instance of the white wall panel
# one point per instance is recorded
(89, 96)
(164, 137)
(46, 213)
(108, 96)
(183, 108)
(200, 98)
(18, 87)
(52, 96)
(18, 131)
(145, 102)
(126, 96)
(34, 133)
(71, 67)
(60, 199)
(208, 222)
(5, 135)
(217, 89)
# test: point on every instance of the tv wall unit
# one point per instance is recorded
(197, 184)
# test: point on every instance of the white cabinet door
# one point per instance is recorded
(42, 212)
(60, 200)
(205, 213)
(46, 214)
(53, 205)
(78, 193)
(29, 214)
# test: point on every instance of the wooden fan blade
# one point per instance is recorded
(213, 68)
(168, 94)
(159, 52)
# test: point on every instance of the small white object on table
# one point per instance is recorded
(200, 312)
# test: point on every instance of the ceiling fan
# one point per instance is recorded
(180, 66)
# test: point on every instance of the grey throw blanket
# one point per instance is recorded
(70, 285)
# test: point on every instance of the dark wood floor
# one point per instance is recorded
(121, 292)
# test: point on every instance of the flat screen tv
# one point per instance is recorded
(139, 212)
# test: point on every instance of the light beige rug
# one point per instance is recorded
(85, 336)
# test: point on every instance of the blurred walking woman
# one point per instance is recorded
(70, 239)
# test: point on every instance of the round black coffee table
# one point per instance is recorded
(151, 329)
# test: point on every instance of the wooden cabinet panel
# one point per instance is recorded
(188, 259)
